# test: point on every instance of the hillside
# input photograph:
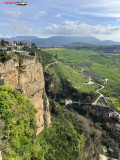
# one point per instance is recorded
(60, 40)
(70, 71)
(77, 79)
(17, 124)
(94, 64)
(65, 139)
(26, 74)
(79, 130)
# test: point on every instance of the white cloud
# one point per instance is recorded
(104, 3)
(4, 36)
(58, 16)
(71, 28)
(39, 14)
(109, 14)
(10, 13)
(23, 28)
(99, 8)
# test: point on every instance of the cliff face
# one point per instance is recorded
(27, 74)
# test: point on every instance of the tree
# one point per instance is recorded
(56, 56)
(21, 43)
(2, 43)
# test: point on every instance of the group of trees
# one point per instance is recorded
(2, 43)
(4, 57)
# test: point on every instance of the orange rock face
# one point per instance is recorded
(28, 75)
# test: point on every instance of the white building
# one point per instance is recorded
(68, 101)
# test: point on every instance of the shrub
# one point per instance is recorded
(18, 115)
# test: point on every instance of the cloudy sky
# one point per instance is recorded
(45, 18)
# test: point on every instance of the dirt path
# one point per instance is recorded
(100, 94)
(51, 64)
(101, 156)
(102, 87)
(90, 81)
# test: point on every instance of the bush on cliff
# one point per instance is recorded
(4, 57)
(17, 125)
(63, 141)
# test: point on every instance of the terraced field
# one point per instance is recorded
(78, 80)
(73, 56)
(106, 65)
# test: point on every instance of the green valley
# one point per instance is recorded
(80, 127)
(95, 64)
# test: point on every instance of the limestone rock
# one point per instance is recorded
(27, 74)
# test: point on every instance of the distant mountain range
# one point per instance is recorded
(60, 40)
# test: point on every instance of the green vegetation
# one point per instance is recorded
(63, 140)
(44, 58)
(101, 64)
(105, 71)
(112, 90)
(71, 136)
(77, 79)
(102, 101)
(89, 88)
(61, 70)
(4, 57)
(17, 121)
(2, 43)
(78, 56)
(73, 56)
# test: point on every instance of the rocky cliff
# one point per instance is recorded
(27, 74)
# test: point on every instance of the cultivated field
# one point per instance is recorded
(106, 65)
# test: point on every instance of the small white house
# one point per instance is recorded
(68, 101)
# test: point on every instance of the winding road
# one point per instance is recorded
(90, 83)
(102, 87)
(102, 157)
(100, 95)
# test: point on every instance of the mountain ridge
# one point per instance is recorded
(60, 40)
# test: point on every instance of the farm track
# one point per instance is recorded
(101, 95)
(51, 64)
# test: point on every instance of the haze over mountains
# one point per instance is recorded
(60, 40)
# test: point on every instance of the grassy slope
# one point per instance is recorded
(73, 56)
(105, 71)
(17, 125)
(101, 66)
(104, 66)
(65, 140)
(62, 141)
(77, 79)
